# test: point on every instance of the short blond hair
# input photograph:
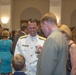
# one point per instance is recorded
(5, 33)
(50, 17)
(18, 62)
(67, 30)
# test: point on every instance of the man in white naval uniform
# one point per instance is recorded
(28, 45)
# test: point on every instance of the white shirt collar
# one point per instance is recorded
(35, 37)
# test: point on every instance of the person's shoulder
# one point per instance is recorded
(24, 36)
(72, 44)
(9, 40)
(42, 38)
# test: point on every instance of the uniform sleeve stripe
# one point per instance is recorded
(42, 38)
(24, 36)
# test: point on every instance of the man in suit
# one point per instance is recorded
(52, 59)
(24, 31)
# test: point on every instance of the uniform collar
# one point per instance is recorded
(35, 37)
(23, 32)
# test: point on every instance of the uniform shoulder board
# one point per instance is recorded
(42, 38)
(24, 36)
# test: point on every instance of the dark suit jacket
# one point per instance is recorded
(18, 73)
(15, 40)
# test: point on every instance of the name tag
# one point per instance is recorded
(26, 45)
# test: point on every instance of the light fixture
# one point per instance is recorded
(4, 20)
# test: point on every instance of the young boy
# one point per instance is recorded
(18, 63)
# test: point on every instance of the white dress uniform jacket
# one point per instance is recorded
(26, 46)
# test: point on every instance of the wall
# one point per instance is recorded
(20, 5)
(5, 12)
(68, 7)
(23, 9)
(55, 7)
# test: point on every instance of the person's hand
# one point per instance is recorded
(0, 61)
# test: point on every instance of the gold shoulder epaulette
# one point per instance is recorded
(42, 38)
(24, 36)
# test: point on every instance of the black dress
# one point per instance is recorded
(69, 67)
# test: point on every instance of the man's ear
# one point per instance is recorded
(46, 23)
(38, 27)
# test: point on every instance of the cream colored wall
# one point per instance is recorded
(55, 7)
(20, 5)
(5, 12)
(43, 6)
(68, 7)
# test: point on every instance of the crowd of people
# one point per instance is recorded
(26, 52)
